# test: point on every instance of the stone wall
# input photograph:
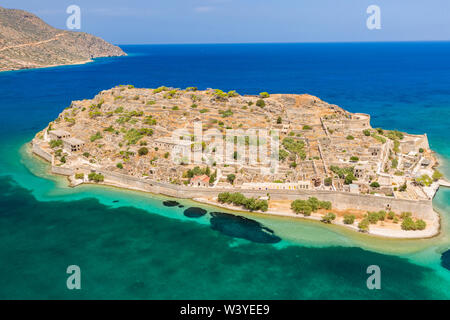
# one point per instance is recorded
(340, 200)
(36, 149)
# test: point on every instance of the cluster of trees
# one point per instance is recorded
(409, 224)
(96, 136)
(349, 218)
(197, 171)
(295, 146)
(329, 217)
(344, 173)
(55, 143)
(306, 207)
(96, 177)
(238, 199)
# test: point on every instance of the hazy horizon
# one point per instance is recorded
(249, 21)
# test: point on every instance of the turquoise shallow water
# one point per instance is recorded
(129, 245)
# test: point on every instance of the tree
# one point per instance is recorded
(96, 177)
(354, 159)
(349, 218)
(349, 178)
(436, 175)
(328, 181)
(79, 175)
(301, 206)
(231, 177)
(408, 224)
(313, 203)
(420, 224)
(143, 151)
(119, 165)
(366, 132)
(55, 143)
(375, 184)
(279, 120)
(260, 103)
(363, 225)
(329, 217)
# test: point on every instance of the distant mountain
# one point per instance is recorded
(28, 42)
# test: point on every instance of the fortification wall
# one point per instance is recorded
(62, 171)
(340, 200)
(36, 149)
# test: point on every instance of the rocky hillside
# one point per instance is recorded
(28, 42)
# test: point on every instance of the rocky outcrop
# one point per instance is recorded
(28, 42)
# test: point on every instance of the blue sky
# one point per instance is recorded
(230, 21)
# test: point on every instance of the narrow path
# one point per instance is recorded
(33, 43)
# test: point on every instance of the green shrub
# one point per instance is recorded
(264, 95)
(375, 184)
(329, 217)
(363, 225)
(420, 224)
(96, 136)
(350, 137)
(231, 177)
(349, 218)
(366, 132)
(143, 151)
(306, 127)
(408, 224)
(301, 206)
(119, 165)
(55, 143)
(436, 175)
(260, 103)
(79, 175)
(96, 177)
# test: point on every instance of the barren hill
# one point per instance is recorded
(28, 42)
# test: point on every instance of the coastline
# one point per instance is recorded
(374, 231)
(51, 66)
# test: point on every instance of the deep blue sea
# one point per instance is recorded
(129, 245)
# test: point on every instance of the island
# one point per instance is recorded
(331, 165)
(27, 42)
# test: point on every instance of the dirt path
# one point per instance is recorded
(33, 43)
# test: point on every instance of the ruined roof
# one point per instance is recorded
(73, 141)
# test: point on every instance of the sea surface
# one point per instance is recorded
(132, 245)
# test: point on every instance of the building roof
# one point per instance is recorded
(203, 178)
(59, 132)
(73, 141)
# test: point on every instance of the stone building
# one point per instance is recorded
(58, 134)
(72, 144)
(200, 181)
